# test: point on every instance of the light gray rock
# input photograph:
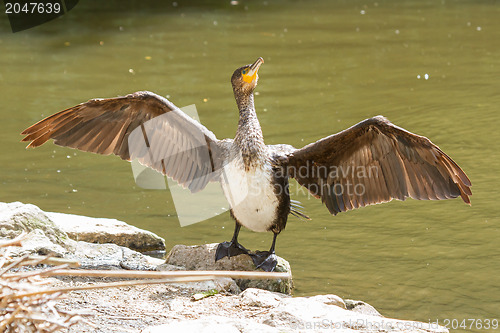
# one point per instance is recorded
(102, 231)
(16, 217)
(38, 243)
(167, 267)
(221, 285)
(198, 325)
(331, 300)
(310, 314)
(256, 310)
(202, 257)
(213, 324)
(361, 307)
(254, 297)
(110, 256)
(45, 237)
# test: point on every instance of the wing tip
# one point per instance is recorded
(34, 144)
(465, 197)
(30, 130)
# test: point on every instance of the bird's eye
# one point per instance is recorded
(244, 71)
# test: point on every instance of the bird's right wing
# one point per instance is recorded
(142, 126)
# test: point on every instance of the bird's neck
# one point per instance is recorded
(249, 138)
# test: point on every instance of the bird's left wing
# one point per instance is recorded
(373, 162)
(142, 126)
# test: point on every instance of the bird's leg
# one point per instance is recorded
(232, 248)
(267, 260)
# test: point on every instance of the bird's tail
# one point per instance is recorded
(297, 210)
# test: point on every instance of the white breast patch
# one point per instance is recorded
(250, 195)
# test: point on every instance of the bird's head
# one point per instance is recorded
(244, 79)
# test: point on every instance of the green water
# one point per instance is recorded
(328, 65)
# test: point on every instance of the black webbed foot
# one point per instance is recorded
(265, 260)
(229, 249)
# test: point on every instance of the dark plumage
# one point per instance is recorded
(371, 162)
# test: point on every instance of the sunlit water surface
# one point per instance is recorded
(430, 67)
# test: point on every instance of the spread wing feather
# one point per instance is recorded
(142, 126)
(373, 162)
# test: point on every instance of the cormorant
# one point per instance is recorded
(371, 162)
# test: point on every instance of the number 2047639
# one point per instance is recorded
(32, 8)
(470, 324)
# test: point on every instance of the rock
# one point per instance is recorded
(361, 307)
(202, 257)
(167, 267)
(102, 231)
(226, 285)
(256, 310)
(45, 237)
(312, 313)
(254, 297)
(221, 285)
(213, 324)
(111, 256)
(16, 217)
(36, 242)
(331, 300)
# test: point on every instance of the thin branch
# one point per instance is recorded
(23, 275)
(170, 274)
(15, 241)
(111, 285)
(13, 264)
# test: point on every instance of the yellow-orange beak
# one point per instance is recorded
(252, 71)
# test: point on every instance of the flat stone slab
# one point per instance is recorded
(58, 227)
(102, 230)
